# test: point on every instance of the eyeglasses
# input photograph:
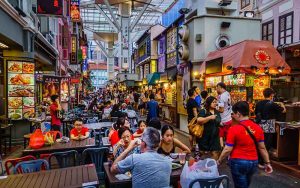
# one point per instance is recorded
(77, 124)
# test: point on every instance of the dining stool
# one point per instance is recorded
(26, 138)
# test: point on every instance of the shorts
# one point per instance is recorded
(224, 129)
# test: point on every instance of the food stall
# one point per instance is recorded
(246, 68)
(21, 89)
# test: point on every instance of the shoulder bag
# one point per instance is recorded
(253, 138)
(195, 128)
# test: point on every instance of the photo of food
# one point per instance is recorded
(64, 86)
(28, 102)
(21, 79)
(15, 102)
(20, 91)
(14, 66)
(28, 113)
(28, 68)
(15, 114)
(50, 89)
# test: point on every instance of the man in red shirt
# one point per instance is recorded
(54, 110)
(242, 148)
(79, 132)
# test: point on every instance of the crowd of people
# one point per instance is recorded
(228, 132)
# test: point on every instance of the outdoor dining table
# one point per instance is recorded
(78, 145)
(97, 126)
(112, 182)
(72, 177)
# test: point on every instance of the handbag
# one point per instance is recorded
(195, 128)
(253, 138)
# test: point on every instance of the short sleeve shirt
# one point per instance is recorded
(189, 108)
(53, 111)
(121, 150)
(224, 101)
(242, 143)
(148, 169)
(83, 131)
(268, 109)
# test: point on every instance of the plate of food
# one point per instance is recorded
(28, 68)
(28, 102)
(20, 91)
(15, 102)
(20, 79)
(28, 113)
(176, 166)
(15, 114)
(15, 66)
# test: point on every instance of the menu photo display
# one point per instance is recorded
(21, 94)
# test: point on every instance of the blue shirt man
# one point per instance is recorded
(152, 107)
(198, 97)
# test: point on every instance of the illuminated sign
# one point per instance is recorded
(50, 7)
(75, 11)
(73, 49)
(83, 48)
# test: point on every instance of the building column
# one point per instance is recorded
(110, 61)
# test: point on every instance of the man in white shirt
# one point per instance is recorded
(224, 105)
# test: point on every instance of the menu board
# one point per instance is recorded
(21, 94)
(51, 86)
(260, 83)
(212, 81)
(234, 80)
(64, 89)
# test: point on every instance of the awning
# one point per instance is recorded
(247, 54)
(152, 78)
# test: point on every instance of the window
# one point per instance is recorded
(268, 31)
(245, 3)
(286, 28)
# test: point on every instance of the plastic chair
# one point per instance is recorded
(15, 161)
(211, 183)
(31, 166)
(98, 157)
(65, 159)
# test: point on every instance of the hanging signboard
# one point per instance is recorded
(50, 7)
(75, 11)
(84, 68)
(21, 94)
(73, 49)
(51, 86)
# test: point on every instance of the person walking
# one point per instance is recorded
(211, 119)
(204, 95)
(55, 109)
(266, 112)
(192, 109)
(149, 169)
(198, 97)
(244, 142)
(224, 107)
(152, 107)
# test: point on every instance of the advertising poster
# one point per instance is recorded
(64, 88)
(21, 93)
(51, 86)
(75, 11)
(50, 7)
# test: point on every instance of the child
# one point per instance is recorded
(142, 125)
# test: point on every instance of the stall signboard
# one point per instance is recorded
(21, 89)
(64, 89)
(85, 67)
(260, 83)
(212, 81)
(50, 7)
(171, 59)
(51, 86)
(235, 80)
(75, 11)
(73, 49)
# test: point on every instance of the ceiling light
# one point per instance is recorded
(280, 69)
(266, 70)
(3, 45)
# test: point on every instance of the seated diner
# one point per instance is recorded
(79, 132)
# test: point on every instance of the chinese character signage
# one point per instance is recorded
(21, 94)
(84, 67)
(73, 49)
(50, 7)
(75, 11)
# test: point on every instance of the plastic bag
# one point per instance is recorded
(37, 139)
(203, 169)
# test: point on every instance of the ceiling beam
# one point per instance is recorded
(102, 48)
(112, 14)
(107, 18)
(139, 16)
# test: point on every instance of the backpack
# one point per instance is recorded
(195, 128)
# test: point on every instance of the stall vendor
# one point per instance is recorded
(79, 132)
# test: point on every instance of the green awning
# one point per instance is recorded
(152, 78)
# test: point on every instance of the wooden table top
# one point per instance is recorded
(57, 147)
(78, 176)
(175, 175)
(98, 125)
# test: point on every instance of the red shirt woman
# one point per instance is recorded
(54, 108)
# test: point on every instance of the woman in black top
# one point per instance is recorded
(169, 143)
(211, 119)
